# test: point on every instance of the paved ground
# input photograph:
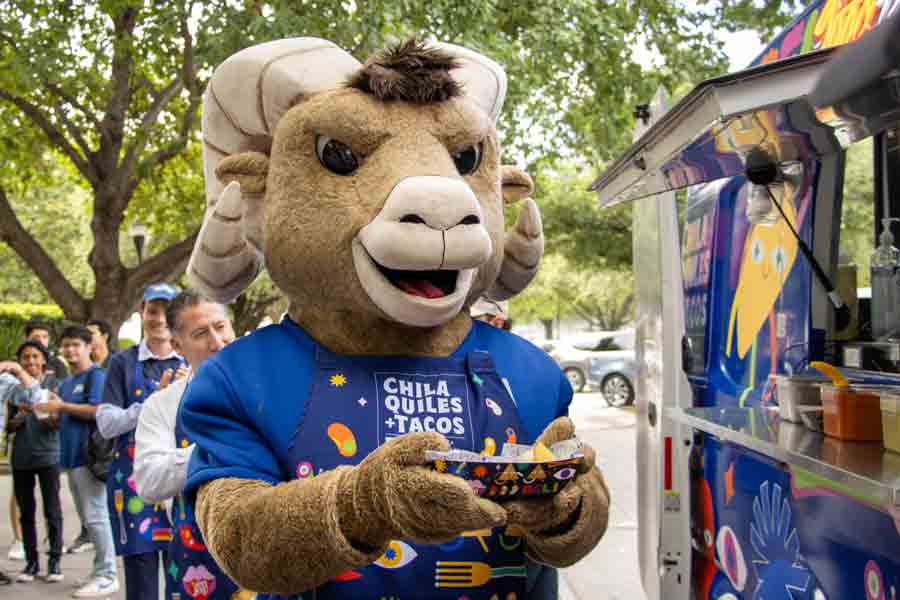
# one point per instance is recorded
(610, 572)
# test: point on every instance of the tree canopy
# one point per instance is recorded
(99, 108)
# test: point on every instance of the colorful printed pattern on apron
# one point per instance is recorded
(191, 571)
(355, 405)
(138, 527)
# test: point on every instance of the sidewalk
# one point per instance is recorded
(74, 566)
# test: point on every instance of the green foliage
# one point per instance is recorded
(576, 227)
(575, 70)
(55, 210)
(14, 316)
(262, 299)
(857, 227)
(603, 298)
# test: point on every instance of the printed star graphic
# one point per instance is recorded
(477, 379)
(337, 380)
(119, 476)
(362, 401)
(173, 570)
(389, 422)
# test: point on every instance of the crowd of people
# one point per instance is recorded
(57, 416)
(56, 409)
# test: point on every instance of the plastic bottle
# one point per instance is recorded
(885, 294)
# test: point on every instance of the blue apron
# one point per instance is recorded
(138, 527)
(355, 404)
(191, 572)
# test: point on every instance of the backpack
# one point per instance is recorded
(97, 452)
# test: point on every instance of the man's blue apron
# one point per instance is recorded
(138, 527)
(191, 572)
(355, 405)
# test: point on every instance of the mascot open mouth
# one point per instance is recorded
(424, 284)
(422, 298)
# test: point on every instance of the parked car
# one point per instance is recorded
(602, 362)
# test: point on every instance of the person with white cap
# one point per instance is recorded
(491, 311)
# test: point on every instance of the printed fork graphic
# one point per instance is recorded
(461, 574)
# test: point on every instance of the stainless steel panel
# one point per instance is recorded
(866, 468)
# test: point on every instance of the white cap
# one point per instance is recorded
(486, 306)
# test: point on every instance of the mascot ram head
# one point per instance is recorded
(373, 193)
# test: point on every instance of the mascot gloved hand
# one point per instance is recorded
(562, 529)
(392, 494)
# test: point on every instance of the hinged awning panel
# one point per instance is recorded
(703, 137)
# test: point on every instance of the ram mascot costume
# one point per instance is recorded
(373, 194)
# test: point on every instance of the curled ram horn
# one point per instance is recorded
(224, 261)
(247, 96)
(522, 252)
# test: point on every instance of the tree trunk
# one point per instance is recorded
(548, 328)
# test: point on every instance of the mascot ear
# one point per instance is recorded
(517, 184)
(247, 168)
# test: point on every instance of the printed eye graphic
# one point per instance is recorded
(757, 252)
(304, 470)
(563, 474)
(779, 259)
(468, 160)
(731, 557)
(336, 156)
(398, 554)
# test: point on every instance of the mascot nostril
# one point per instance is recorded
(377, 209)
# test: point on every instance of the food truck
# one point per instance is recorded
(762, 472)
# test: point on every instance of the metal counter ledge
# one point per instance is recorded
(863, 470)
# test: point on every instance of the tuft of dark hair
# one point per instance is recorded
(77, 332)
(410, 71)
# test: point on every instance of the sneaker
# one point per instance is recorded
(81, 544)
(97, 587)
(4, 579)
(54, 574)
(16, 551)
(29, 573)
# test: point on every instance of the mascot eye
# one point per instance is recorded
(468, 160)
(335, 156)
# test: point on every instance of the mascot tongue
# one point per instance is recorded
(420, 287)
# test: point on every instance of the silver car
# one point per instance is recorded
(602, 362)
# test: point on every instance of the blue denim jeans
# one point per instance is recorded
(90, 499)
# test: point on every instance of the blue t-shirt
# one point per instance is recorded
(72, 430)
(244, 404)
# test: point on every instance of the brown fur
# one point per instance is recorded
(339, 520)
(409, 72)
(257, 531)
(312, 215)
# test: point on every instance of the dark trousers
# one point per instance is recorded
(23, 483)
(142, 575)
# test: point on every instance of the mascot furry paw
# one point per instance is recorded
(373, 194)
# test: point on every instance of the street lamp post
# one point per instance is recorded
(138, 233)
